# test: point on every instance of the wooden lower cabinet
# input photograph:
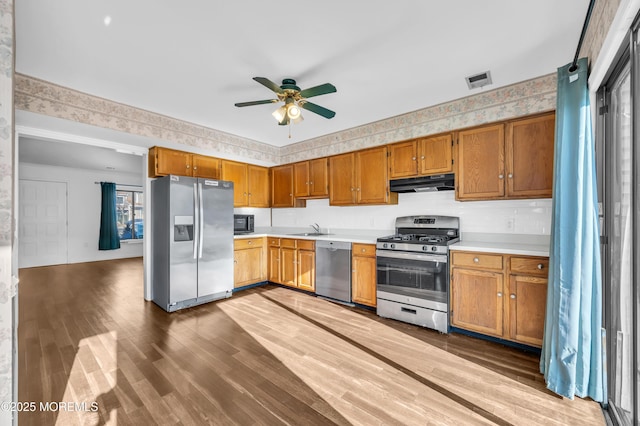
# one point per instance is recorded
(307, 270)
(249, 261)
(476, 300)
(292, 262)
(499, 295)
(363, 274)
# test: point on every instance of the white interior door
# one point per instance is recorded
(42, 223)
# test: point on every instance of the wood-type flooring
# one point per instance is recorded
(92, 351)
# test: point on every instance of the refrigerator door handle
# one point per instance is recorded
(201, 224)
(196, 212)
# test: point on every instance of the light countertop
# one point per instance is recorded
(488, 243)
(506, 248)
(526, 245)
(347, 235)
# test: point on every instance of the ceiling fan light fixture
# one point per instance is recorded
(293, 111)
(280, 114)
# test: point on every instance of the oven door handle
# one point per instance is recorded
(411, 256)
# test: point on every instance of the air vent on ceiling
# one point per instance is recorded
(479, 80)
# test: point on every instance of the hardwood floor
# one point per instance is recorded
(268, 355)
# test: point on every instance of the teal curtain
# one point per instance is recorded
(109, 238)
(571, 358)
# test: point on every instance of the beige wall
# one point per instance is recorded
(603, 13)
(7, 288)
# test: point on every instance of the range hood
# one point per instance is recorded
(445, 182)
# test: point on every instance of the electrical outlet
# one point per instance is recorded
(510, 224)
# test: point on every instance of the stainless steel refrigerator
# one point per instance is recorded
(192, 248)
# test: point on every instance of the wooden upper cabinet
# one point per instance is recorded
(311, 178)
(319, 178)
(403, 159)
(165, 161)
(301, 179)
(512, 160)
(360, 178)
(342, 179)
(237, 173)
(529, 146)
(205, 167)
(421, 157)
(480, 163)
(371, 176)
(258, 186)
(436, 155)
(282, 186)
(250, 183)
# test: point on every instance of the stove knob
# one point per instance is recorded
(393, 246)
(434, 248)
(425, 248)
(384, 245)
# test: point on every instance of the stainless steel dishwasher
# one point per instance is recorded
(333, 270)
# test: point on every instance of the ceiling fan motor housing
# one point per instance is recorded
(289, 84)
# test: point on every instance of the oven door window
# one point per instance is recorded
(424, 279)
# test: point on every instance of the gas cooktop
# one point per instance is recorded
(422, 234)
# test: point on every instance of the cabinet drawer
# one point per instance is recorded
(530, 265)
(287, 242)
(306, 245)
(368, 250)
(477, 260)
(244, 243)
(273, 242)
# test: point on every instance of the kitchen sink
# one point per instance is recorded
(310, 234)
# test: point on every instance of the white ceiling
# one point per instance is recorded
(194, 59)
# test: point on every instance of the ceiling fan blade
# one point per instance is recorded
(323, 89)
(268, 84)
(326, 113)
(266, 101)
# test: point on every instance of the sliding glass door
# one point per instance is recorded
(619, 99)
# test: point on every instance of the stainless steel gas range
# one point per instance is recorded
(413, 270)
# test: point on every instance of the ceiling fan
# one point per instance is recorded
(293, 99)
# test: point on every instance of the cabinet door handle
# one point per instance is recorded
(476, 260)
(499, 294)
(250, 242)
(194, 167)
(290, 195)
(358, 189)
(307, 182)
(235, 261)
(363, 250)
(352, 189)
(510, 175)
(422, 157)
(311, 183)
(540, 266)
(500, 176)
(413, 158)
(513, 296)
(187, 166)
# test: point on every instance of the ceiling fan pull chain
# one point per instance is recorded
(289, 129)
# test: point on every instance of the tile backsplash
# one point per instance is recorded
(502, 217)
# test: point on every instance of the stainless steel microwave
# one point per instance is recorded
(243, 224)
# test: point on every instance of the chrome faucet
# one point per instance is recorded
(316, 227)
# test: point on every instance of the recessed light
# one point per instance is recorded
(107, 20)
